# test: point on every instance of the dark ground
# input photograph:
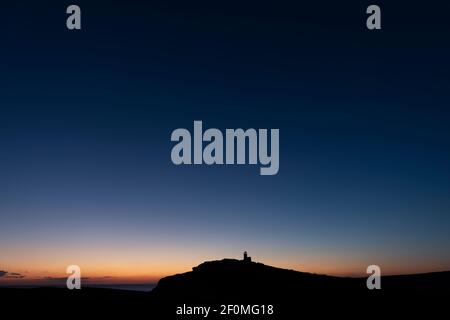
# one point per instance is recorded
(293, 294)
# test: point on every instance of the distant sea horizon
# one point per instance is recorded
(129, 287)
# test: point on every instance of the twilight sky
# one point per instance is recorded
(86, 117)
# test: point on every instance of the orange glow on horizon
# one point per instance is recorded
(137, 261)
(148, 273)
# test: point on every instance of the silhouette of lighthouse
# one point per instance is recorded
(246, 257)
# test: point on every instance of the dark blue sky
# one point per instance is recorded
(364, 119)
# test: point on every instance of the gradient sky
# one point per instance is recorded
(86, 117)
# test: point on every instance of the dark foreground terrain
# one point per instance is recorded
(293, 295)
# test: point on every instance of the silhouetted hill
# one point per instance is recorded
(237, 279)
(291, 292)
(230, 279)
(239, 282)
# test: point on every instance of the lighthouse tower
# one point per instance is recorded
(246, 257)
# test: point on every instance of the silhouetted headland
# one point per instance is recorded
(230, 279)
(246, 282)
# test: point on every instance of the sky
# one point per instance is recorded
(86, 117)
